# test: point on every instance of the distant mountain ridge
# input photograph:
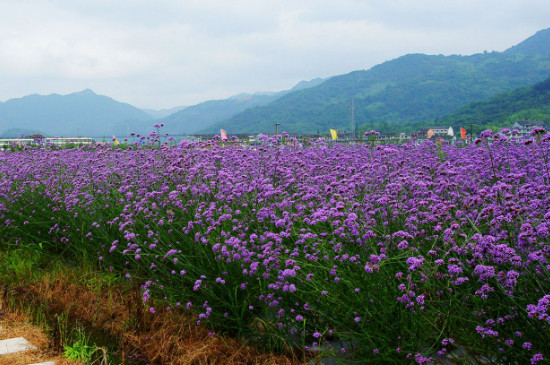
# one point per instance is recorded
(406, 90)
(86, 113)
(82, 113)
(163, 112)
(396, 95)
(532, 45)
(194, 118)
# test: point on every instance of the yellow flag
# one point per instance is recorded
(115, 140)
(430, 133)
(334, 134)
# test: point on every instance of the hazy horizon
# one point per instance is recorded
(172, 53)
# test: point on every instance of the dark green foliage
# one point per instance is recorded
(527, 103)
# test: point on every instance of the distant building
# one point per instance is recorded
(58, 141)
(346, 135)
(526, 126)
(400, 136)
(439, 132)
(443, 131)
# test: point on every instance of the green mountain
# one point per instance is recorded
(502, 110)
(401, 93)
(88, 114)
(197, 117)
(83, 113)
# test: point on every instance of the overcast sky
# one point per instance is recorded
(164, 53)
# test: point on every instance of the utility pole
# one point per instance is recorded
(276, 127)
(352, 118)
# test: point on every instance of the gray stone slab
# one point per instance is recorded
(14, 345)
(44, 363)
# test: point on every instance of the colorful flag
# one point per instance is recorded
(115, 141)
(430, 133)
(223, 134)
(334, 134)
(462, 133)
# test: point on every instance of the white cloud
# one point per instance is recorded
(53, 42)
(168, 52)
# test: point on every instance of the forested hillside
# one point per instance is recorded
(528, 103)
(200, 116)
(401, 93)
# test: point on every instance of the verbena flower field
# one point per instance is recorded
(373, 252)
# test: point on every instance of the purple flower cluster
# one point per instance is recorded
(384, 247)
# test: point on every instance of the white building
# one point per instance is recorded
(526, 126)
(58, 141)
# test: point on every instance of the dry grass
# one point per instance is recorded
(15, 324)
(167, 337)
